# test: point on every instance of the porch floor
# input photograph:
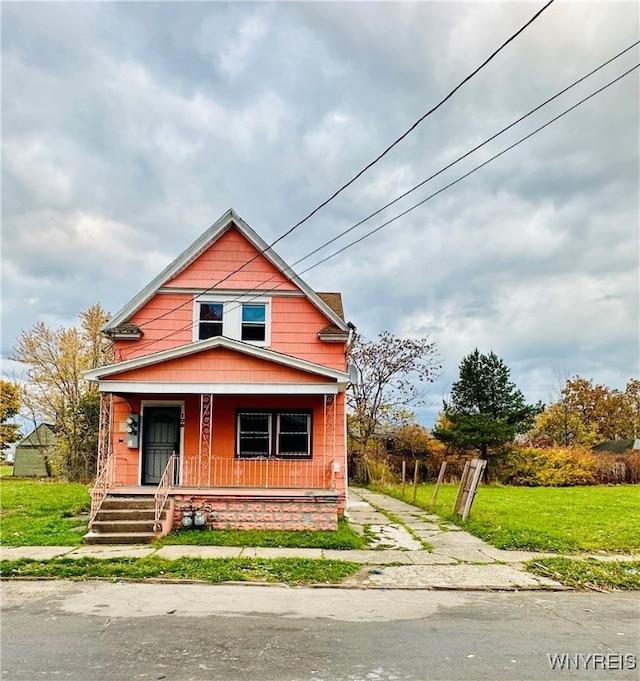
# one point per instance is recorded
(253, 492)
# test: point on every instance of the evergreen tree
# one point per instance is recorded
(486, 410)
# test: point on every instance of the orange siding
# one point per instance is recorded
(166, 321)
(219, 366)
(295, 324)
(227, 254)
(223, 441)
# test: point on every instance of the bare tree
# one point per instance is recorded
(391, 372)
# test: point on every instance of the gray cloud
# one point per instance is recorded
(128, 128)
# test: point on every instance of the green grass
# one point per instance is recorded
(590, 574)
(344, 538)
(292, 571)
(556, 519)
(38, 512)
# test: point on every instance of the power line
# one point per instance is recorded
(367, 167)
(451, 184)
(448, 186)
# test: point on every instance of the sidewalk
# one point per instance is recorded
(396, 560)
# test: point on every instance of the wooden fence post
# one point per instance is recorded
(415, 481)
(443, 468)
(404, 475)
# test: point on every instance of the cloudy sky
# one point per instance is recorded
(129, 128)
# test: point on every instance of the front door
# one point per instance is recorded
(160, 439)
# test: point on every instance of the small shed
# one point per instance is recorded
(30, 457)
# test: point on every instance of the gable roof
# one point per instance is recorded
(104, 372)
(229, 220)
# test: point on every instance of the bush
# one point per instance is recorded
(615, 469)
(551, 467)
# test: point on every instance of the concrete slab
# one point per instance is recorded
(428, 558)
(481, 577)
(275, 552)
(174, 551)
(372, 557)
(393, 536)
(112, 551)
(34, 552)
(465, 555)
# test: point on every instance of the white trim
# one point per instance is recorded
(197, 248)
(182, 419)
(164, 388)
(210, 343)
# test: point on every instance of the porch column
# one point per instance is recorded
(329, 436)
(104, 431)
(204, 453)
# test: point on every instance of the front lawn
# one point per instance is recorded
(559, 519)
(37, 512)
(42, 512)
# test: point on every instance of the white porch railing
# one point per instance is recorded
(261, 473)
(104, 482)
(162, 492)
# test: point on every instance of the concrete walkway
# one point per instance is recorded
(397, 558)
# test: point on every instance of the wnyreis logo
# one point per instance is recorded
(593, 661)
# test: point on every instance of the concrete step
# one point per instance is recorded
(127, 514)
(122, 526)
(117, 502)
(119, 538)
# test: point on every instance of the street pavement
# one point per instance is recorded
(396, 559)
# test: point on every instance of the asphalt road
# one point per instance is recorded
(99, 631)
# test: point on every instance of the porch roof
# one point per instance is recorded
(296, 375)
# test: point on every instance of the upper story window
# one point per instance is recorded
(210, 324)
(254, 322)
(247, 321)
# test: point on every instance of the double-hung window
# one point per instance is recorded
(254, 322)
(210, 320)
(275, 434)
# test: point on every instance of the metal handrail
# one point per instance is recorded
(104, 482)
(162, 491)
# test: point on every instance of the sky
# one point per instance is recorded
(128, 128)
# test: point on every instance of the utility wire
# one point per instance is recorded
(364, 170)
(448, 186)
(451, 184)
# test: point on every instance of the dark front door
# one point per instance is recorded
(160, 439)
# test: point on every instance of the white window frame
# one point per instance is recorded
(232, 316)
(278, 432)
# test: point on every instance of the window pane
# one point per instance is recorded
(253, 313)
(294, 434)
(211, 312)
(293, 423)
(290, 444)
(254, 445)
(253, 332)
(254, 438)
(209, 330)
(254, 423)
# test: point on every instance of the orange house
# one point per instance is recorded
(225, 406)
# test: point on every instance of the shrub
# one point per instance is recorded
(550, 467)
(615, 469)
